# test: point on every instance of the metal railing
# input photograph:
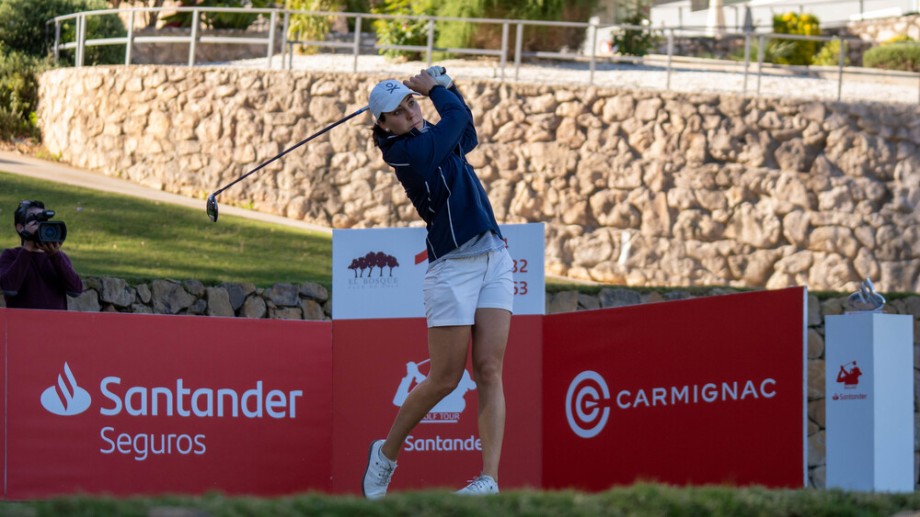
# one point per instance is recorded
(358, 48)
(832, 13)
(193, 39)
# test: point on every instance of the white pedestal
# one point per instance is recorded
(869, 389)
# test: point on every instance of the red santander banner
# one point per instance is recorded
(701, 391)
(144, 404)
(709, 390)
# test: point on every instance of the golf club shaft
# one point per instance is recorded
(295, 146)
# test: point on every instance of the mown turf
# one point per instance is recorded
(638, 500)
(134, 239)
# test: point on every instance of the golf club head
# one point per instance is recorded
(212, 208)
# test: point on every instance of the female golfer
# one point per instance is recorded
(468, 286)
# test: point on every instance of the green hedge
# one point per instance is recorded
(24, 28)
(795, 52)
(829, 55)
(399, 31)
(896, 56)
(26, 41)
(18, 94)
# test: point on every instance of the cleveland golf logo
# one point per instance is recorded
(67, 398)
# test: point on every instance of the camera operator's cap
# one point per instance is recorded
(19, 215)
(386, 96)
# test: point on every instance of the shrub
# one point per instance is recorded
(403, 31)
(635, 42)
(830, 55)
(458, 34)
(900, 38)
(238, 21)
(18, 94)
(24, 27)
(104, 26)
(775, 51)
(310, 28)
(802, 52)
(896, 56)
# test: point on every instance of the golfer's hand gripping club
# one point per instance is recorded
(439, 73)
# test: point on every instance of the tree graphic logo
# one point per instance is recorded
(375, 263)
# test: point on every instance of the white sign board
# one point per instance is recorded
(869, 402)
(379, 273)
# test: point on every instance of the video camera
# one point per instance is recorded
(48, 231)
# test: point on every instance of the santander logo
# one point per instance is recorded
(66, 398)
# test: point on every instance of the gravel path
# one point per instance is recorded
(684, 77)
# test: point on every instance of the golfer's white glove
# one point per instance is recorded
(440, 76)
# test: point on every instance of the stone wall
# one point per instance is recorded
(732, 46)
(307, 301)
(882, 29)
(312, 302)
(636, 187)
(869, 33)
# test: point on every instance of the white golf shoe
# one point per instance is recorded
(482, 485)
(378, 473)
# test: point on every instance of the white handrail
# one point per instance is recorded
(592, 30)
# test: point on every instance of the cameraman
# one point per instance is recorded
(37, 275)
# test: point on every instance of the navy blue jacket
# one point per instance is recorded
(441, 184)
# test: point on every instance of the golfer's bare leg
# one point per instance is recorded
(490, 337)
(447, 348)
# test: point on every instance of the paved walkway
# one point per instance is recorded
(689, 76)
(60, 173)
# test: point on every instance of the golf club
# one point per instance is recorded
(212, 199)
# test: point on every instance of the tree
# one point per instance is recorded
(459, 34)
(24, 28)
(391, 263)
(152, 16)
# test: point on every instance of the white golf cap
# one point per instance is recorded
(386, 96)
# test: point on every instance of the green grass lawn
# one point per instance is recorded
(134, 239)
(637, 500)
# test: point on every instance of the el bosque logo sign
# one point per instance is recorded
(374, 270)
(589, 400)
(371, 261)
